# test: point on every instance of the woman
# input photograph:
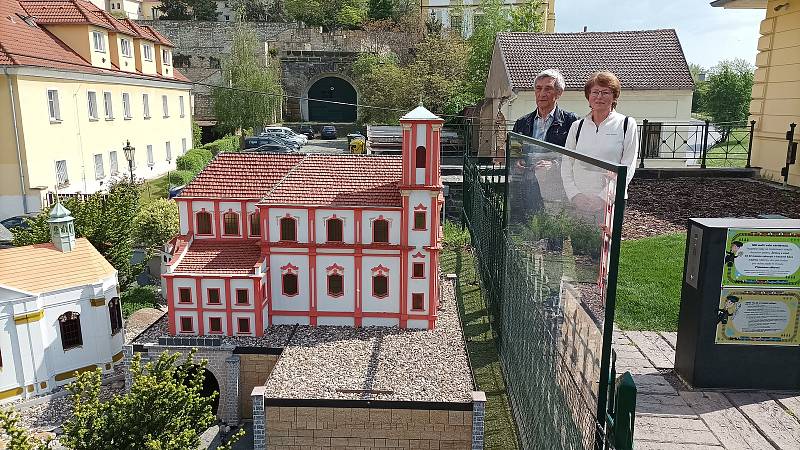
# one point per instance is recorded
(604, 134)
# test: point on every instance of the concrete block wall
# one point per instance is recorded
(253, 371)
(289, 427)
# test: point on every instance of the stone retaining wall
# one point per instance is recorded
(253, 371)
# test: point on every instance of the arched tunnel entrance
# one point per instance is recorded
(210, 385)
(335, 89)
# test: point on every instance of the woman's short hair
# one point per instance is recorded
(558, 79)
(603, 79)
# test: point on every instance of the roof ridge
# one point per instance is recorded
(289, 172)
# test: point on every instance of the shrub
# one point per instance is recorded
(180, 177)
(197, 135)
(156, 223)
(190, 162)
(137, 298)
(229, 143)
(204, 154)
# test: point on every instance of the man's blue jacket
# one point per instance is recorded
(559, 128)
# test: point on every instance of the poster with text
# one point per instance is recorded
(769, 258)
(758, 317)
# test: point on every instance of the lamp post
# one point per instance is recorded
(129, 154)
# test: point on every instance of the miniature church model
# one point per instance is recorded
(60, 311)
(315, 239)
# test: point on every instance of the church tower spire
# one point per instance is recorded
(62, 228)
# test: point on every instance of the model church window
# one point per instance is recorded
(203, 222)
(231, 221)
(215, 325)
(288, 229)
(419, 220)
(186, 325)
(335, 230)
(380, 231)
(335, 285)
(244, 325)
(289, 284)
(184, 295)
(213, 296)
(420, 157)
(418, 302)
(70, 324)
(241, 297)
(418, 270)
(380, 286)
(255, 224)
(115, 315)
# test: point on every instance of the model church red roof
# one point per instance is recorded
(303, 180)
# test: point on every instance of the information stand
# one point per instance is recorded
(739, 322)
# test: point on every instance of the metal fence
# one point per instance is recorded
(685, 144)
(547, 270)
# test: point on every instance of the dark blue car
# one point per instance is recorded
(328, 132)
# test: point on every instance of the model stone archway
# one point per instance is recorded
(331, 87)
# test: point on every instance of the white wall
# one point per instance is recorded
(370, 303)
(348, 224)
(299, 302)
(394, 225)
(346, 302)
(300, 215)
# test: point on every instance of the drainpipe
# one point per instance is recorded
(16, 141)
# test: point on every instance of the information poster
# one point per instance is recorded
(758, 317)
(767, 258)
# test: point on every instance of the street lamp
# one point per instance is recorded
(129, 153)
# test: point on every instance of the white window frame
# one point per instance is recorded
(126, 106)
(99, 170)
(98, 42)
(165, 105)
(126, 47)
(183, 145)
(91, 97)
(108, 105)
(113, 162)
(147, 52)
(53, 108)
(166, 57)
(150, 157)
(180, 106)
(168, 150)
(146, 105)
(62, 176)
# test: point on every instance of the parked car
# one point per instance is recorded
(271, 148)
(307, 130)
(16, 221)
(328, 132)
(256, 142)
(285, 133)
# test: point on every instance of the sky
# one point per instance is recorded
(708, 35)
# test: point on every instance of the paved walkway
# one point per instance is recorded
(670, 415)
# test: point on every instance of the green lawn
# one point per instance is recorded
(649, 285)
(155, 189)
(500, 432)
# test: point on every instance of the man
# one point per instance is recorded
(547, 123)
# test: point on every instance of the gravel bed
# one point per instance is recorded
(275, 336)
(386, 362)
(656, 207)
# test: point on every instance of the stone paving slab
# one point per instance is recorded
(790, 402)
(774, 422)
(725, 421)
(654, 347)
(676, 430)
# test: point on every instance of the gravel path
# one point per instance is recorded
(377, 363)
(657, 207)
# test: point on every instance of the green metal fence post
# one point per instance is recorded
(750, 144)
(625, 414)
(704, 150)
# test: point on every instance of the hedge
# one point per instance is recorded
(190, 162)
(180, 177)
(205, 155)
(228, 143)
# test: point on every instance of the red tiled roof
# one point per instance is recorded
(159, 37)
(308, 180)
(647, 59)
(50, 12)
(23, 44)
(207, 256)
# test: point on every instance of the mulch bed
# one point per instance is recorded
(658, 207)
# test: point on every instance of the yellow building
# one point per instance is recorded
(776, 84)
(463, 15)
(75, 85)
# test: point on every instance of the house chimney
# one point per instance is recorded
(585, 28)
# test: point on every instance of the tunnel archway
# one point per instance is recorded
(332, 88)
(210, 385)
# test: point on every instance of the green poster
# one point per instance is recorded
(766, 258)
(758, 317)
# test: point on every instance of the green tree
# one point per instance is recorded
(254, 98)
(197, 135)
(496, 18)
(174, 10)
(728, 90)
(18, 437)
(106, 220)
(203, 9)
(381, 9)
(329, 14)
(384, 84)
(700, 87)
(164, 409)
(261, 10)
(156, 223)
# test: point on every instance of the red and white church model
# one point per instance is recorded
(316, 239)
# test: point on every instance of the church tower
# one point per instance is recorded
(62, 228)
(421, 193)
